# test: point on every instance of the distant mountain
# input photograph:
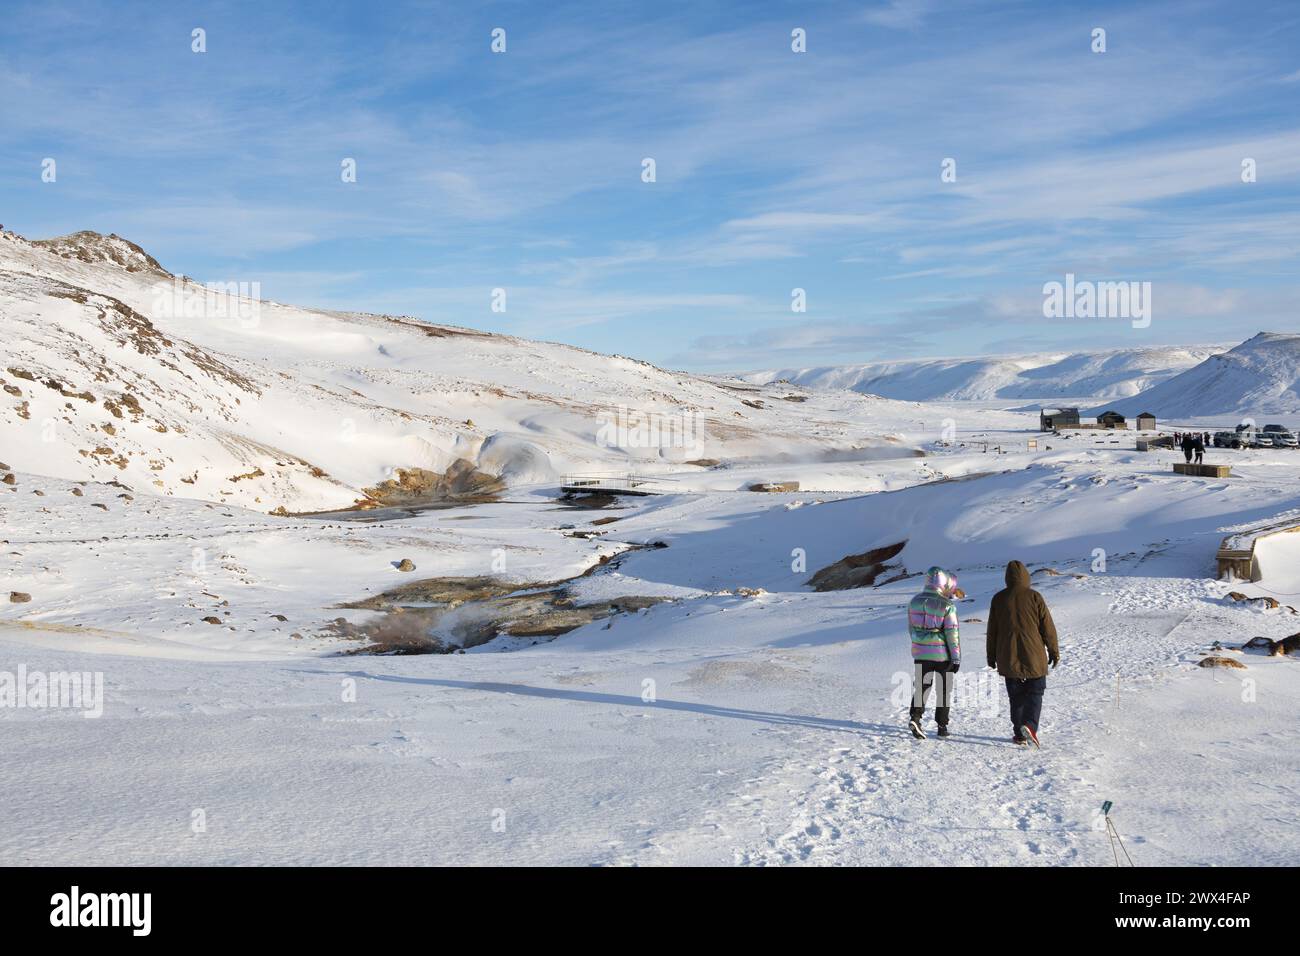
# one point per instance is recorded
(1261, 376)
(1111, 375)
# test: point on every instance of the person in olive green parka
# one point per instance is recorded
(1022, 645)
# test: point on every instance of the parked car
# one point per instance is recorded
(1226, 440)
(1262, 440)
(1285, 440)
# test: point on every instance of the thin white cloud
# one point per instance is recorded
(898, 14)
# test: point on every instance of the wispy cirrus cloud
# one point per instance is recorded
(775, 170)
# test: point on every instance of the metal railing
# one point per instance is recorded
(643, 484)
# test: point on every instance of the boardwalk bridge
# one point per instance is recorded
(616, 485)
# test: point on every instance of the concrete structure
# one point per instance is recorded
(1237, 557)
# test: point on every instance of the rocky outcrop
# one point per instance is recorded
(89, 246)
(415, 485)
(1221, 662)
(856, 570)
(775, 486)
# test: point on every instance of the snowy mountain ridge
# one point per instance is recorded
(1112, 374)
(115, 369)
(1261, 376)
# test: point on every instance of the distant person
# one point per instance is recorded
(1021, 645)
(1198, 446)
(936, 647)
(1188, 446)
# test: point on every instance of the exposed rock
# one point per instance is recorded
(9, 479)
(78, 492)
(1288, 645)
(593, 502)
(855, 570)
(1263, 601)
(704, 462)
(211, 619)
(775, 486)
(406, 564)
(1221, 662)
(19, 597)
(461, 481)
(88, 246)
(450, 591)
(470, 611)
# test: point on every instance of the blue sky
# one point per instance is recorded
(775, 170)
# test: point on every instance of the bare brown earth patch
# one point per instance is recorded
(594, 501)
(461, 481)
(446, 615)
(1221, 662)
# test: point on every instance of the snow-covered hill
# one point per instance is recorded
(1080, 375)
(1261, 376)
(114, 369)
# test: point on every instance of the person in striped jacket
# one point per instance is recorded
(936, 647)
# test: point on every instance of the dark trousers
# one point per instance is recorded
(927, 673)
(1187, 453)
(1026, 701)
(1200, 457)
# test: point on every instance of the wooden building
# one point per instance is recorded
(1050, 419)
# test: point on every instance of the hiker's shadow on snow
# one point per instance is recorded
(623, 700)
